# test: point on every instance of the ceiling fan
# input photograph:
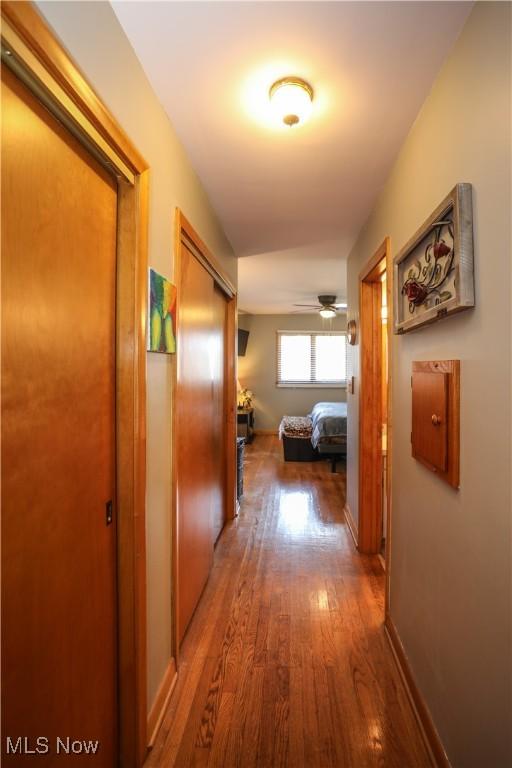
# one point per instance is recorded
(327, 306)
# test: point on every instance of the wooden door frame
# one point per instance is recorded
(31, 50)
(185, 234)
(370, 351)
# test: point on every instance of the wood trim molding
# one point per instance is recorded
(231, 408)
(174, 462)
(370, 452)
(352, 525)
(369, 461)
(202, 251)
(390, 277)
(131, 468)
(46, 68)
(162, 698)
(374, 267)
(31, 28)
(428, 730)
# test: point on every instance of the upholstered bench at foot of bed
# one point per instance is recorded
(295, 432)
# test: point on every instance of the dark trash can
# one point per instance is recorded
(240, 447)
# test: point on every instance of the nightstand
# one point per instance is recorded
(245, 423)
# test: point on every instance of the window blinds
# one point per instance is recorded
(306, 358)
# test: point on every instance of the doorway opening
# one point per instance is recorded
(375, 404)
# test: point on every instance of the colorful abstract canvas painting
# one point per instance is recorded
(162, 314)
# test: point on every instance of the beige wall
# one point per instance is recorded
(257, 370)
(92, 34)
(450, 556)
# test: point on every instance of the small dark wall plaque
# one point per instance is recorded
(435, 417)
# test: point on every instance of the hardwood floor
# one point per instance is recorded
(285, 662)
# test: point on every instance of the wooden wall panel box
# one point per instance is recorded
(435, 417)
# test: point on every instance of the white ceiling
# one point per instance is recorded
(292, 201)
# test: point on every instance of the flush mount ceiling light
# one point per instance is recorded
(291, 99)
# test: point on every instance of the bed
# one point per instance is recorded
(329, 423)
(322, 433)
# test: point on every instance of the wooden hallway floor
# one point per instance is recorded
(286, 662)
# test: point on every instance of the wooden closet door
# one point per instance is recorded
(58, 437)
(218, 347)
(194, 414)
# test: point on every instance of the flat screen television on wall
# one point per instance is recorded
(242, 341)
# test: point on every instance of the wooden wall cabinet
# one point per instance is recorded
(435, 417)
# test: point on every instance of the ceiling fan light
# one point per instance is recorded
(291, 100)
(327, 312)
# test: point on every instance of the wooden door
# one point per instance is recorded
(374, 402)
(194, 414)
(58, 445)
(218, 348)
(370, 419)
(429, 418)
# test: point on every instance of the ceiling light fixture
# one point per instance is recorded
(328, 312)
(291, 99)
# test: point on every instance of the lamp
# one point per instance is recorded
(291, 99)
(328, 312)
(244, 396)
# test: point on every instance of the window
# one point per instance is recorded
(309, 359)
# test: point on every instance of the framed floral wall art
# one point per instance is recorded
(433, 272)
